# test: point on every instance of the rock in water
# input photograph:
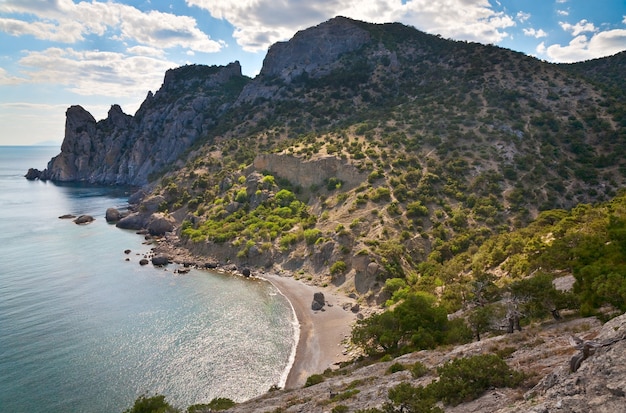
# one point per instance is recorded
(84, 219)
(33, 174)
(160, 261)
(113, 215)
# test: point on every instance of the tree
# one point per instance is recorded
(466, 379)
(416, 323)
(154, 404)
(480, 320)
(539, 297)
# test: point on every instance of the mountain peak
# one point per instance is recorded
(312, 50)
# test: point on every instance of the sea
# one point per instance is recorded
(85, 328)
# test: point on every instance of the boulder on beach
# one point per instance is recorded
(246, 272)
(318, 301)
(84, 219)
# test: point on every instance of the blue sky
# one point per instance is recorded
(57, 53)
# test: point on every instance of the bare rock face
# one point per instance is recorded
(310, 172)
(599, 383)
(315, 49)
(160, 224)
(124, 149)
(312, 53)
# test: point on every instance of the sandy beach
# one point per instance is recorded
(322, 333)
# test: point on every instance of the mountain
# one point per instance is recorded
(361, 150)
(126, 150)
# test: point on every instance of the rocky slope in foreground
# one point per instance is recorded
(543, 352)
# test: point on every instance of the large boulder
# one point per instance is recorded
(112, 215)
(160, 260)
(133, 221)
(160, 224)
(318, 301)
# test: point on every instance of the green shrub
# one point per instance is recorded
(418, 370)
(339, 267)
(406, 398)
(313, 380)
(213, 406)
(242, 196)
(345, 395)
(465, 379)
(396, 367)
(311, 235)
(340, 409)
(154, 404)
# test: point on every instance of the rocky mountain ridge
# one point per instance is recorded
(127, 150)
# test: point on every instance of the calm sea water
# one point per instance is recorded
(84, 330)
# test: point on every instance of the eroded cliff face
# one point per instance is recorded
(306, 173)
(126, 150)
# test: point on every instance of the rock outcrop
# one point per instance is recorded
(126, 150)
(306, 173)
(318, 301)
(599, 382)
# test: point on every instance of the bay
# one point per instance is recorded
(85, 328)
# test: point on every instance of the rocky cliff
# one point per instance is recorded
(124, 149)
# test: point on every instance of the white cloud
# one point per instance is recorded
(582, 26)
(70, 32)
(624, 21)
(7, 79)
(541, 48)
(145, 51)
(522, 17)
(69, 22)
(260, 23)
(95, 73)
(583, 48)
(562, 12)
(535, 33)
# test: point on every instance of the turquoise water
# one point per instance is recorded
(84, 330)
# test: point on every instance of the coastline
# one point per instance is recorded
(322, 333)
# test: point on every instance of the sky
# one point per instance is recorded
(96, 53)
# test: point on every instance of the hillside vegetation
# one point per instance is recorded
(454, 143)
